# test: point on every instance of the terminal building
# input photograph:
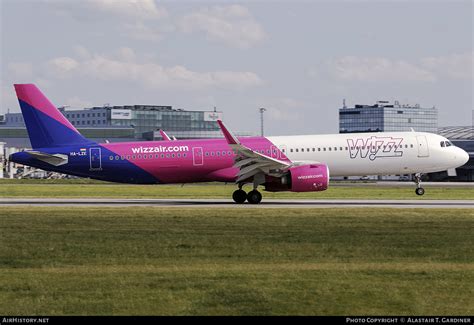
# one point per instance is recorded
(386, 117)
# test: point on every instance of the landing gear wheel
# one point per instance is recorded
(239, 196)
(254, 197)
(420, 191)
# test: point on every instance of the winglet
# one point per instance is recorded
(231, 139)
(164, 135)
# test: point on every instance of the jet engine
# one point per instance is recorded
(304, 178)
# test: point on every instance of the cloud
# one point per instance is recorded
(108, 9)
(232, 25)
(131, 18)
(125, 66)
(284, 108)
(377, 69)
(454, 66)
(373, 69)
(136, 9)
(62, 67)
(142, 32)
(21, 70)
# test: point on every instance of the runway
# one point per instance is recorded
(226, 203)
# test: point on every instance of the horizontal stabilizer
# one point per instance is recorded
(52, 159)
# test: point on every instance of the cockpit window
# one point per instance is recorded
(446, 144)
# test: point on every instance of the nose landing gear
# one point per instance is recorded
(419, 190)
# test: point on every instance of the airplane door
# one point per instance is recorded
(423, 150)
(95, 159)
(274, 152)
(198, 158)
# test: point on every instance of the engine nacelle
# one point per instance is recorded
(305, 178)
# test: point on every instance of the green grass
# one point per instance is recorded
(94, 189)
(148, 261)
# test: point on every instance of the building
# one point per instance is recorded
(143, 119)
(386, 117)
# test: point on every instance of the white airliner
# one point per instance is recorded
(285, 163)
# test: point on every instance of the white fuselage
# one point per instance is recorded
(354, 154)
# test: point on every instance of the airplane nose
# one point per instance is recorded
(462, 157)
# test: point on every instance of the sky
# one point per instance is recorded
(299, 60)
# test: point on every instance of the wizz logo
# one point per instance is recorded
(375, 147)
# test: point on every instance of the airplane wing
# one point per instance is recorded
(251, 163)
(52, 159)
(164, 135)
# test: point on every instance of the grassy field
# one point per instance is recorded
(95, 189)
(91, 261)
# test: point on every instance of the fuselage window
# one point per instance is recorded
(411, 146)
(302, 149)
(324, 149)
(319, 149)
(117, 157)
(207, 154)
(340, 148)
(167, 155)
(347, 148)
(218, 153)
(111, 157)
(314, 149)
(406, 146)
(223, 153)
(144, 156)
(157, 156)
(335, 148)
(162, 155)
(283, 150)
(291, 150)
(212, 153)
(134, 157)
(307, 149)
(128, 157)
(178, 155)
(139, 156)
(184, 155)
(329, 148)
(296, 150)
(448, 144)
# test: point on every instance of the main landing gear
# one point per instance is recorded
(253, 197)
(419, 190)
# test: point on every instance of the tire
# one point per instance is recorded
(239, 196)
(420, 191)
(254, 197)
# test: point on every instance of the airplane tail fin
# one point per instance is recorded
(46, 125)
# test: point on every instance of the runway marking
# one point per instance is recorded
(268, 203)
